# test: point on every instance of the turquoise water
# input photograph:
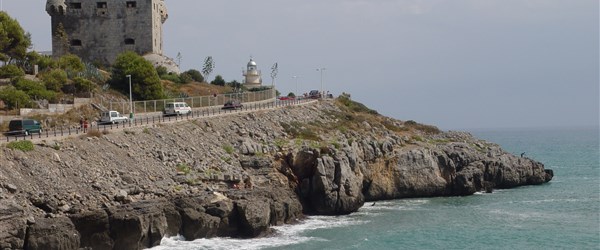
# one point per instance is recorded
(563, 214)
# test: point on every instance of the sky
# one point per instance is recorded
(456, 64)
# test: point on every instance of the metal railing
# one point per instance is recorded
(194, 102)
(57, 133)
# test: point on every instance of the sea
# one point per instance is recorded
(562, 214)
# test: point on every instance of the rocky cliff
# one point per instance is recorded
(236, 175)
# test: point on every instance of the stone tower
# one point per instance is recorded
(98, 31)
(252, 76)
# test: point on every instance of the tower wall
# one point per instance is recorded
(98, 31)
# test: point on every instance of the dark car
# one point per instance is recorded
(24, 126)
(233, 104)
(314, 94)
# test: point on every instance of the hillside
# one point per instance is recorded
(236, 175)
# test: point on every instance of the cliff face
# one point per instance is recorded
(236, 176)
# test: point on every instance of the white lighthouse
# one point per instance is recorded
(252, 76)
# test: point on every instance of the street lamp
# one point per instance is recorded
(130, 98)
(321, 70)
(296, 78)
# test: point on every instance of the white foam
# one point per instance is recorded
(284, 235)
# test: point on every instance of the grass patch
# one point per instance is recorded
(280, 143)
(226, 159)
(146, 131)
(24, 146)
(346, 102)
(228, 149)
(428, 129)
(183, 168)
(299, 130)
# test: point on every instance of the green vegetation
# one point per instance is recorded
(21, 145)
(54, 79)
(301, 131)
(34, 89)
(428, 129)
(195, 75)
(11, 71)
(14, 98)
(145, 82)
(183, 168)
(228, 149)
(218, 81)
(345, 102)
(13, 39)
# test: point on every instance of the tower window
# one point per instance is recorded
(75, 5)
(75, 42)
(129, 41)
(131, 4)
(101, 5)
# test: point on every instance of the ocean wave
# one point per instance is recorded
(285, 235)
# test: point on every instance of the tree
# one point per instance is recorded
(13, 40)
(43, 62)
(195, 74)
(145, 82)
(209, 65)
(54, 79)
(14, 98)
(234, 84)
(218, 81)
(35, 90)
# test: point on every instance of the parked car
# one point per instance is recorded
(177, 108)
(232, 104)
(112, 117)
(24, 126)
(284, 98)
(314, 94)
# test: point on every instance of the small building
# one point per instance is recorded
(252, 77)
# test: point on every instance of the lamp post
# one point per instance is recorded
(321, 70)
(296, 78)
(130, 98)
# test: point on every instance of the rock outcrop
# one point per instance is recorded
(236, 176)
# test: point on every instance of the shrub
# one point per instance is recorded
(21, 145)
(345, 101)
(11, 71)
(14, 98)
(171, 77)
(228, 149)
(195, 75)
(428, 129)
(35, 90)
(54, 79)
(71, 63)
(219, 81)
(183, 168)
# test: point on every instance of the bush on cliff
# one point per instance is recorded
(346, 102)
(10, 71)
(428, 129)
(21, 145)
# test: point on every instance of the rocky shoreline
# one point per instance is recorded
(236, 176)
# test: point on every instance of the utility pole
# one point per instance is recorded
(296, 78)
(130, 99)
(321, 70)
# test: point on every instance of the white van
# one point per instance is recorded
(177, 108)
